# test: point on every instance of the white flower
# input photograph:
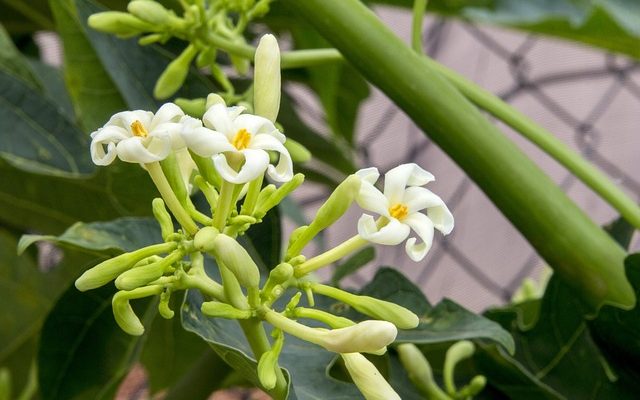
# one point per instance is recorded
(228, 132)
(137, 136)
(367, 378)
(400, 204)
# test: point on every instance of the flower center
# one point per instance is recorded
(241, 139)
(398, 211)
(138, 129)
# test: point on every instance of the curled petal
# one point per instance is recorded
(169, 112)
(220, 117)
(370, 198)
(283, 172)
(391, 234)
(108, 136)
(397, 179)
(370, 175)
(441, 217)
(254, 124)
(133, 150)
(173, 130)
(418, 198)
(256, 162)
(206, 142)
(423, 226)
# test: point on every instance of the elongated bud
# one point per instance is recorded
(335, 206)
(151, 39)
(206, 57)
(367, 378)
(281, 273)
(268, 364)
(108, 270)
(363, 337)
(150, 11)
(236, 258)
(223, 310)
(298, 153)
(266, 81)
(163, 306)
(264, 203)
(376, 308)
(203, 240)
(457, 352)
(333, 321)
(118, 23)
(175, 74)
(142, 275)
(123, 313)
(473, 388)
(162, 216)
(192, 107)
(416, 365)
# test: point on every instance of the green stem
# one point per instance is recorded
(328, 257)
(224, 205)
(170, 199)
(419, 8)
(251, 198)
(579, 250)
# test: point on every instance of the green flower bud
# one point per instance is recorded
(281, 273)
(175, 74)
(123, 313)
(335, 206)
(457, 352)
(266, 80)
(223, 310)
(213, 99)
(203, 240)
(119, 23)
(299, 153)
(331, 320)
(150, 11)
(194, 107)
(162, 216)
(368, 379)
(376, 308)
(163, 306)
(268, 364)
(108, 270)
(151, 39)
(264, 203)
(206, 57)
(237, 260)
(416, 365)
(142, 275)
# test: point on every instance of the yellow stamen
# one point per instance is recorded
(241, 139)
(398, 211)
(138, 129)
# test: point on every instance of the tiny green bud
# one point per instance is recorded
(194, 107)
(281, 273)
(293, 303)
(163, 217)
(119, 23)
(175, 74)
(266, 81)
(268, 364)
(123, 313)
(108, 270)
(235, 257)
(299, 153)
(163, 306)
(213, 99)
(457, 352)
(416, 365)
(150, 11)
(206, 57)
(367, 378)
(151, 39)
(142, 275)
(203, 240)
(223, 310)
(263, 206)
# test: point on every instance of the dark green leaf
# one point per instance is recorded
(621, 231)
(353, 263)
(53, 86)
(12, 62)
(266, 238)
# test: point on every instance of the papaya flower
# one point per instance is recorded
(227, 134)
(138, 136)
(400, 205)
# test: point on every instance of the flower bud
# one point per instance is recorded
(108, 270)
(163, 306)
(213, 99)
(142, 275)
(175, 74)
(203, 240)
(416, 364)
(123, 313)
(151, 39)
(266, 80)
(162, 216)
(281, 273)
(119, 23)
(363, 337)
(223, 310)
(194, 107)
(150, 11)
(228, 251)
(298, 153)
(206, 57)
(268, 364)
(267, 201)
(335, 206)
(367, 378)
(457, 352)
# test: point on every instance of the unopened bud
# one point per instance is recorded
(367, 378)
(203, 240)
(266, 203)
(363, 337)
(281, 273)
(123, 313)
(163, 217)
(150, 11)
(206, 57)
(228, 251)
(163, 306)
(194, 107)
(175, 74)
(108, 270)
(151, 39)
(142, 275)
(268, 364)
(118, 23)
(416, 365)
(213, 99)
(223, 310)
(266, 81)
(299, 153)
(457, 352)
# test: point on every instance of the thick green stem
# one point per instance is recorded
(419, 8)
(328, 257)
(225, 203)
(580, 252)
(251, 198)
(170, 199)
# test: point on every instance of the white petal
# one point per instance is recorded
(205, 142)
(283, 172)
(397, 179)
(108, 136)
(126, 118)
(169, 112)
(186, 165)
(220, 118)
(423, 226)
(391, 234)
(442, 218)
(370, 175)
(418, 198)
(254, 124)
(256, 162)
(172, 130)
(154, 149)
(370, 198)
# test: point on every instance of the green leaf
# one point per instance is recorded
(53, 85)
(83, 353)
(266, 238)
(352, 264)
(94, 95)
(611, 25)
(12, 62)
